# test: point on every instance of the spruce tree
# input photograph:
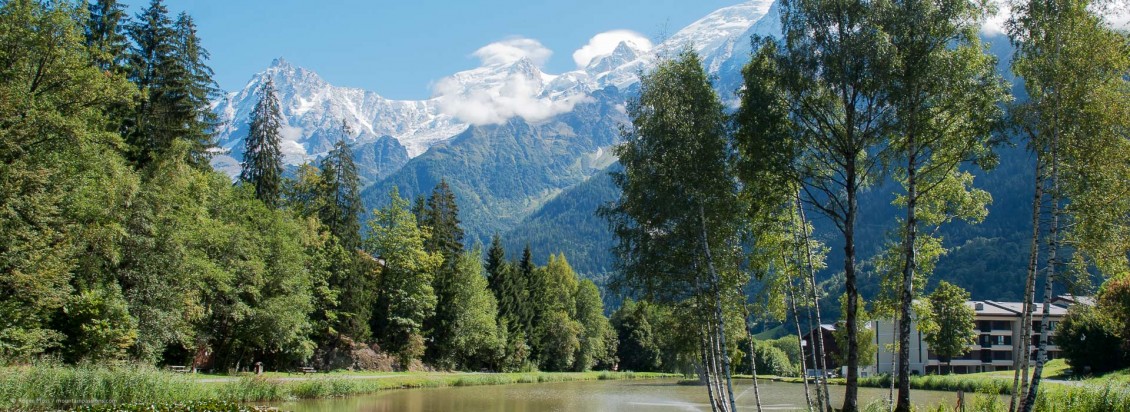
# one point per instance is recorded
(341, 204)
(149, 60)
(442, 216)
(446, 239)
(496, 257)
(167, 63)
(105, 35)
(192, 92)
(262, 160)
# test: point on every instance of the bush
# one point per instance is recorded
(1089, 341)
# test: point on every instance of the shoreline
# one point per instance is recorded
(97, 388)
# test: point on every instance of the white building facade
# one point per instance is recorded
(998, 328)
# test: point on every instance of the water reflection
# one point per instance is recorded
(644, 395)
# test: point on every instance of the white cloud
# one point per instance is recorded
(512, 50)
(994, 23)
(516, 96)
(605, 43)
(494, 93)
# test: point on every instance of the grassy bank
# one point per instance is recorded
(44, 387)
(1063, 393)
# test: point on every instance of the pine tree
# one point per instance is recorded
(105, 35)
(442, 217)
(341, 206)
(496, 257)
(530, 284)
(262, 160)
(194, 91)
(149, 59)
(167, 63)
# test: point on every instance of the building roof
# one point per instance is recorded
(991, 308)
(1070, 299)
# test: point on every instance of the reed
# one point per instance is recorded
(93, 387)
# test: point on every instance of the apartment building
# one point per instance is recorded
(998, 328)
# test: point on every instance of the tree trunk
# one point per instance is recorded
(851, 392)
(1053, 246)
(753, 357)
(819, 358)
(715, 286)
(800, 342)
(707, 377)
(908, 277)
(1020, 377)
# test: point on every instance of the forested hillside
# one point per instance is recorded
(121, 243)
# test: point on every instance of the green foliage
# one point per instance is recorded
(1090, 342)
(57, 159)
(440, 215)
(1074, 68)
(105, 35)
(98, 326)
(475, 341)
(598, 340)
(406, 298)
(167, 63)
(1114, 302)
(559, 341)
(638, 335)
(867, 347)
(771, 360)
(948, 325)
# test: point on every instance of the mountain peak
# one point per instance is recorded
(280, 63)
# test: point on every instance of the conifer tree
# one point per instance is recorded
(441, 215)
(167, 63)
(527, 279)
(496, 257)
(149, 61)
(193, 92)
(262, 160)
(105, 35)
(341, 206)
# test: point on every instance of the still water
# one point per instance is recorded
(639, 395)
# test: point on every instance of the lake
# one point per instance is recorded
(626, 395)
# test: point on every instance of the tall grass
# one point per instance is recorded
(52, 386)
(985, 393)
(952, 383)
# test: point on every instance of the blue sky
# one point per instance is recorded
(399, 48)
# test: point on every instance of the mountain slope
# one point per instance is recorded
(502, 173)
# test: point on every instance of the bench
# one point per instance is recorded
(307, 369)
(179, 369)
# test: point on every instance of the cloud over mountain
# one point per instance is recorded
(604, 43)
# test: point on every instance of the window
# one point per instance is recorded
(1002, 355)
(1002, 325)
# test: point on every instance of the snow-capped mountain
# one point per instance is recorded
(505, 86)
(315, 109)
